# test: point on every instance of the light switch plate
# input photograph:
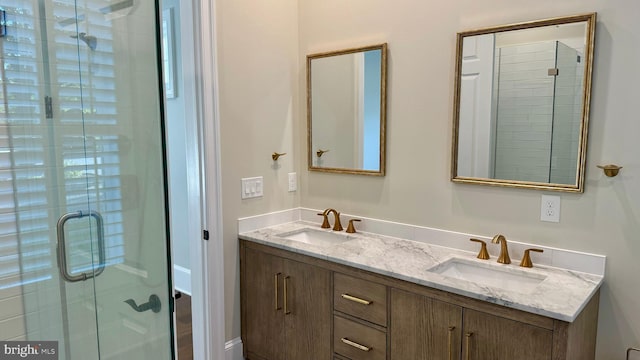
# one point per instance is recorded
(550, 208)
(293, 182)
(252, 187)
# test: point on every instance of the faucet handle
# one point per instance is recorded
(325, 222)
(352, 229)
(483, 254)
(526, 258)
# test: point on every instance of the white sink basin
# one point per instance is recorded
(496, 276)
(316, 237)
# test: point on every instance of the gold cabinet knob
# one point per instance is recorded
(526, 258)
(483, 254)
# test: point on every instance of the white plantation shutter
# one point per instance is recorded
(93, 157)
(24, 229)
(48, 166)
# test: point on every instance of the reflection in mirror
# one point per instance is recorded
(346, 110)
(521, 104)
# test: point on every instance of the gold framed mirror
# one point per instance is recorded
(521, 104)
(346, 110)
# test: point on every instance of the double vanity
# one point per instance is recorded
(313, 293)
(521, 106)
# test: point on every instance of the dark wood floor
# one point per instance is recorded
(183, 327)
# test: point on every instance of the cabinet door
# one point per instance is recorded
(308, 311)
(496, 338)
(424, 328)
(264, 313)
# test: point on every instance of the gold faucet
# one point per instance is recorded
(504, 252)
(336, 225)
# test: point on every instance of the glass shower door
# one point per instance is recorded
(83, 251)
(119, 71)
(567, 114)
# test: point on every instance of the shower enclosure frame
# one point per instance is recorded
(69, 275)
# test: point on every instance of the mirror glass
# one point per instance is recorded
(522, 104)
(346, 102)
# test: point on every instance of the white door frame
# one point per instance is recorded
(474, 143)
(207, 265)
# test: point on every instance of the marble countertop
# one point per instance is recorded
(561, 295)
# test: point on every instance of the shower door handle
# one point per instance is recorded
(153, 304)
(62, 251)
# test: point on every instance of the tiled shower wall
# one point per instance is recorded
(12, 319)
(526, 117)
(524, 112)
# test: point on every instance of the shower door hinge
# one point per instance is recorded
(205, 234)
(3, 23)
(553, 72)
(48, 107)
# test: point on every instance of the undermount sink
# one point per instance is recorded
(512, 279)
(316, 237)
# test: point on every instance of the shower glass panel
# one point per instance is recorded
(567, 114)
(83, 240)
(537, 103)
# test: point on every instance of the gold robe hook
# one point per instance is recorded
(610, 170)
(320, 152)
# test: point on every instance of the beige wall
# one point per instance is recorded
(258, 80)
(261, 82)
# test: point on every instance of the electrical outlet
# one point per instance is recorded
(550, 208)
(293, 182)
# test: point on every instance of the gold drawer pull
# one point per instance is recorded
(287, 311)
(356, 299)
(355, 344)
(451, 328)
(275, 290)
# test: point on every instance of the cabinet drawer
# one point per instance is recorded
(357, 341)
(360, 298)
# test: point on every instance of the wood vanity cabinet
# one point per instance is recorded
(286, 307)
(487, 336)
(360, 318)
(398, 320)
(432, 324)
(424, 328)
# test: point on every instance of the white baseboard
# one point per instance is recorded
(182, 279)
(233, 349)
